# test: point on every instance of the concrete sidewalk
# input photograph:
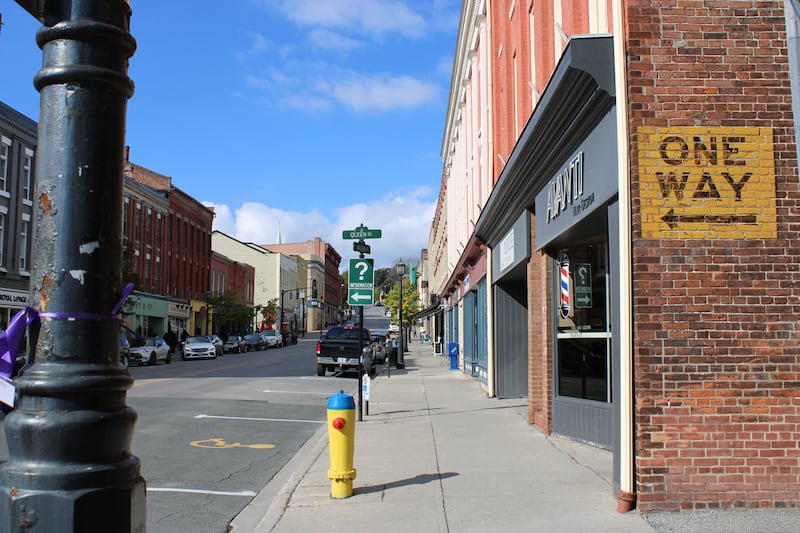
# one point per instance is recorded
(436, 455)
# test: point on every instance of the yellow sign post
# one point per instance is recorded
(707, 183)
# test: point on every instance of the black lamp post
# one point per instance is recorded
(400, 268)
(70, 464)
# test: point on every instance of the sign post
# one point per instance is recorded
(361, 292)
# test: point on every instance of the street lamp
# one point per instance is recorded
(70, 464)
(400, 268)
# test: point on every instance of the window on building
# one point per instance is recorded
(3, 216)
(533, 48)
(125, 213)
(26, 176)
(137, 224)
(24, 232)
(5, 165)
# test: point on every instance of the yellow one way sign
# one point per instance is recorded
(707, 182)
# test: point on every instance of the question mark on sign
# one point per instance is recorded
(363, 267)
(582, 274)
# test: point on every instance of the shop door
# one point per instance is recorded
(583, 388)
(470, 333)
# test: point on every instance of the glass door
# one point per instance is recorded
(584, 333)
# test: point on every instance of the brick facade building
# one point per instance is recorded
(614, 236)
(715, 292)
(170, 237)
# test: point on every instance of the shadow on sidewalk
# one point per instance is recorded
(420, 479)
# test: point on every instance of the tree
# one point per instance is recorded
(410, 302)
(229, 315)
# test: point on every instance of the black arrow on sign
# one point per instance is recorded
(672, 220)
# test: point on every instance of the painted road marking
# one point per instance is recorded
(299, 392)
(263, 419)
(247, 493)
(218, 442)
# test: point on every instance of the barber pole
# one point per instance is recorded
(564, 307)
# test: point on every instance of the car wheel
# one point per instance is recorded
(152, 360)
(320, 370)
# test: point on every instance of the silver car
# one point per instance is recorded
(199, 347)
(149, 350)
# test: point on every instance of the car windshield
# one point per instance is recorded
(251, 337)
(344, 333)
(268, 332)
(197, 340)
(149, 341)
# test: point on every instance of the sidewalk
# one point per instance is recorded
(436, 455)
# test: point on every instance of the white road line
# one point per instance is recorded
(263, 419)
(248, 493)
(300, 392)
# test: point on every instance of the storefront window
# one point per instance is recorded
(583, 326)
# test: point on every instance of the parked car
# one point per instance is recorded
(272, 339)
(254, 342)
(218, 344)
(149, 350)
(199, 347)
(234, 344)
(379, 342)
(124, 349)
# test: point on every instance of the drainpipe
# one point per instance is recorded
(627, 493)
(490, 324)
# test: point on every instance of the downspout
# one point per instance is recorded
(627, 494)
(490, 358)
(490, 324)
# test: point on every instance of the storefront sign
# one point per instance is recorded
(178, 310)
(707, 182)
(585, 181)
(507, 250)
(565, 190)
(14, 299)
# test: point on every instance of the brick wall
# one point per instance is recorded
(540, 353)
(715, 269)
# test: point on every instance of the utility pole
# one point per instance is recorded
(70, 464)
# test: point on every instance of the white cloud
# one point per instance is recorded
(403, 218)
(322, 38)
(383, 93)
(372, 17)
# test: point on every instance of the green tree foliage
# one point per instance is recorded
(410, 302)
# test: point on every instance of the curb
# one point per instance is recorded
(266, 509)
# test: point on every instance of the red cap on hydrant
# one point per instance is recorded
(338, 422)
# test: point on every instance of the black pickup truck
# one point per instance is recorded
(339, 349)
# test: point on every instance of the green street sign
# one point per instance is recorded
(361, 283)
(362, 232)
(360, 296)
(582, 277)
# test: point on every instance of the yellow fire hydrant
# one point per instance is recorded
(341, 439)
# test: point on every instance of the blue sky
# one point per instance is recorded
(304, 116)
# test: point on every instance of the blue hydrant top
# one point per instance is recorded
(341, 401)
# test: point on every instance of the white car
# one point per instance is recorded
(199, 347)
(149, 350)
(272, 338)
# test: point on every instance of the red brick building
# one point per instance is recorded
(168, 234)
(615, 236)
(322, 281)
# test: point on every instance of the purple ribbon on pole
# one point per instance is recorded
(11, 338)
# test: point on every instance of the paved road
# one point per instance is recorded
(212, 433)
